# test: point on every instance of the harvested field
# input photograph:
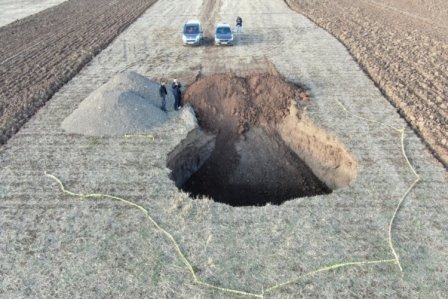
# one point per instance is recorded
(403, 46)
(39, 54)
(122, 228)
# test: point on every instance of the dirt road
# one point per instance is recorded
(56, 245)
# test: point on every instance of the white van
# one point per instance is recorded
(223, 34)
(192, 33)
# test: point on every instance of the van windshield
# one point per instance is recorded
(191, 29)
(223, 30)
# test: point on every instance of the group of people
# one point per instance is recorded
(176, 87)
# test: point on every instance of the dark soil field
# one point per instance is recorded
(42, 52)
(403, 46)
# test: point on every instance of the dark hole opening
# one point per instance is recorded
(263, 171)
(239, 157)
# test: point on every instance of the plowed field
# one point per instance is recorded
(41, 53)
(403, 46)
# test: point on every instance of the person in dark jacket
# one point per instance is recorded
(163, 93)
(239, 24)
(176, 86)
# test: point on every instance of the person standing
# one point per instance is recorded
(163, 93)
(239, 24)
(176, 86)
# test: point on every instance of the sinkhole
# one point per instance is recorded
(255, 145)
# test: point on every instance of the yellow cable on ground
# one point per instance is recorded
(98, 195)
(363, 118)
(189, 266)
(400, 202)
(187, 262)
(397, 258)
(328, 268)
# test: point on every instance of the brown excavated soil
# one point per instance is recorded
(252, 162)
(403, 46)
(234, 104)
(40, 53)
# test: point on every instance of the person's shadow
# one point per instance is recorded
(248, 38)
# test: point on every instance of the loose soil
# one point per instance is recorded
(403, 46)
(226, 102)
(42, 52)
(251, 163)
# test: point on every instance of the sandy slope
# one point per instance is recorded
(55, 245)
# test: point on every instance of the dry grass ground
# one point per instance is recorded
(56, 245)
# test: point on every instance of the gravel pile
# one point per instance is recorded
(128, 103)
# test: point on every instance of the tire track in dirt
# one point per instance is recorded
(209, 15)
(236, 59)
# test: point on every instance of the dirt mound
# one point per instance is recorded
(128, 103)
(234, 103)
(250, 162)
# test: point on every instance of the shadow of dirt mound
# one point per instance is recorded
(258, 148)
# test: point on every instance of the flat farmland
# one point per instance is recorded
(123, 228)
